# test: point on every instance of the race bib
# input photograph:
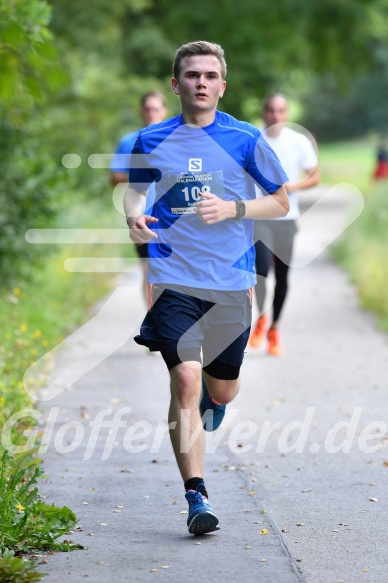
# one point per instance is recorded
(185, 188)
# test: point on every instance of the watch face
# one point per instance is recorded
(240, 210)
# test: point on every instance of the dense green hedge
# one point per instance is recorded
(31, 191)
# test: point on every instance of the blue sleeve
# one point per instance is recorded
(141, 176)
(121, 159)
(264, 166)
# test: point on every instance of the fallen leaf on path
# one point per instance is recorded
(263, 560)
(153, 570)
(91, 534)
(284, 530)
(307, 490)
(248, 546)
(252, 493)
(184, 512)
(373, 499)
(103, 524)
(264, 531)
(164, 566)
(300, 524)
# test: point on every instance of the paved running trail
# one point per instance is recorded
(292, 473)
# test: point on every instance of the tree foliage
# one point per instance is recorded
(29, 181)
(266, 44)
(28, 67)
(334, 111)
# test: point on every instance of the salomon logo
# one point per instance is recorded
(195, 164)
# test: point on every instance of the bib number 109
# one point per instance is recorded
(194, 191)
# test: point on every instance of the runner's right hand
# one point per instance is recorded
(139, 233)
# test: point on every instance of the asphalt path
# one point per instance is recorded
(297, 472)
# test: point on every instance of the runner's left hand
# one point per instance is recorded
(212, 209)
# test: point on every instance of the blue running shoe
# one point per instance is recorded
(212, 414)
(202, 518)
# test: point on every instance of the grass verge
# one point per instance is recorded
(363, 249)
(363, 252)
(351, 162)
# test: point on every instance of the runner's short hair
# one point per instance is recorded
(268, 98)
(200, 47)
(145, 96)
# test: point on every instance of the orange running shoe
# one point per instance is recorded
(275, 346)
(257, 336)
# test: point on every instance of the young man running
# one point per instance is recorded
(205, 164)
(275, 238)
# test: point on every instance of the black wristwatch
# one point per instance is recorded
(240, 210)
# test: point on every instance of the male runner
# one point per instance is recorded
(201, 267)
(275, 238)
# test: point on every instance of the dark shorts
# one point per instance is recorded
(185, 322)
(142, 251)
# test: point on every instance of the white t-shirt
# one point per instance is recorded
(296, 154)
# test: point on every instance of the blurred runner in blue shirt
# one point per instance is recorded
(152, 110)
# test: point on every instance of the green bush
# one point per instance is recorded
(27, 523)
(17, 570)
(31, 193)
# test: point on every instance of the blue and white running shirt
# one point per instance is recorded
(225, 158)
